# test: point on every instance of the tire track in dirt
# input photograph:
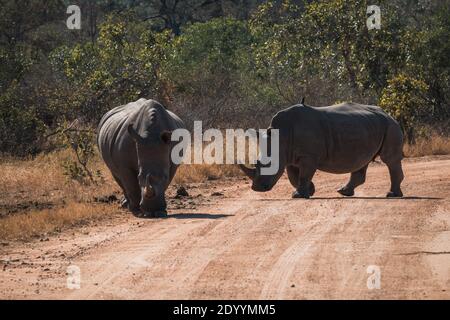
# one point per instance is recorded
(134, 255)
(277, 280)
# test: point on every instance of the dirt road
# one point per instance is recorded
(258, 246)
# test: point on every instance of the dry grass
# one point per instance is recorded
(36, 198)
(435, 145)
(38, 223)
(42, 179)
(204, 172)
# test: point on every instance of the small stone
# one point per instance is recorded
(182, 192)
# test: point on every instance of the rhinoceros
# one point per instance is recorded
(342, 138)
(135, 142)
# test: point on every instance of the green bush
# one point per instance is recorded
(20, 127)
(82, 143)
(405, 99)
(204, 68)
(121, 66)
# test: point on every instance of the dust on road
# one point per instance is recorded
(248, 245)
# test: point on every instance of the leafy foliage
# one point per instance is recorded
(228, 63)
(81, 142)
(204, 66)
(405, 99)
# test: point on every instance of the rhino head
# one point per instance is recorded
(153, 152)
(261, 181)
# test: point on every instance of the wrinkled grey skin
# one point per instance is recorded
(134, 141)
(342, 138)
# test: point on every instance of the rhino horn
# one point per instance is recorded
(136, 137)
(149, 192)
(251, 173)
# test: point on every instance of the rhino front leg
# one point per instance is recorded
(124, 200)
(293, 173)
(357, 178)
(132, 191)
(305, 187)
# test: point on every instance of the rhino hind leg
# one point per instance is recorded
(392, 154)
(357, 178)
(396, 174)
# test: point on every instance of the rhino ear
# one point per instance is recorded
(166, 136)
(136, 137)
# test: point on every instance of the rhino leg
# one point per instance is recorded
(391, 154)
(396, 174)
(293, 175)
(357, 178)
(305, 187)
(132, 191)
(124, 200)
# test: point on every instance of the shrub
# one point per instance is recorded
(20, 126)
(405, 99)
(81, 142)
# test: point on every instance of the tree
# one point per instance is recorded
(204, 68)
(405, 99)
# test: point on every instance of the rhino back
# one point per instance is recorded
(342, 137)
(116, 146)
(113, 139)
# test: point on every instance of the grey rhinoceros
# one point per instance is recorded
(342, 138)
(135, 142)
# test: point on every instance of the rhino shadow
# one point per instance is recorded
(355, 198)
(376, 198)
(197, 216)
